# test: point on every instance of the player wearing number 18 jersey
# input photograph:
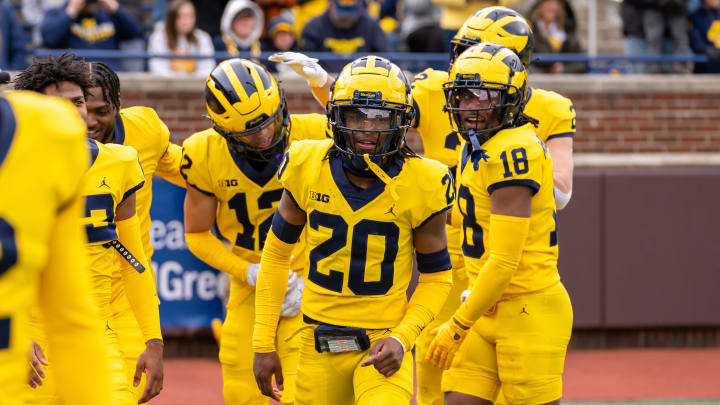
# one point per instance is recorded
(370, 204)
(518, 317)
(231, 172)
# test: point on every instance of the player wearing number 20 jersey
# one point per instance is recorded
(43, 157)
(368, 205)
(231, 170)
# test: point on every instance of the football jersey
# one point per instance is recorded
(113, 176)
(555, 113)
(43, 159)
(247, 198)
(360, 248)
(141, 128)
(514, 156)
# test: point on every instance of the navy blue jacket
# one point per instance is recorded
(702, 20)
(99, 30)
(12, 55)
(366, 36)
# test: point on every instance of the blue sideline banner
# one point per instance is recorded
(189, 289)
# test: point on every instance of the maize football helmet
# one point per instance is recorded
(243, 100)
(486, 92)
(499, 25)
(370, 110)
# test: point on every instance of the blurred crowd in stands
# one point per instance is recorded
(203, 27)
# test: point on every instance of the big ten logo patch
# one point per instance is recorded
(319, 197)
(228, 182)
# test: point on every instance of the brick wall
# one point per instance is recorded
(662, 113)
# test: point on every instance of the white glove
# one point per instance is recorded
(293, 296)
(252, 273)
(464, 296)
(303, 65)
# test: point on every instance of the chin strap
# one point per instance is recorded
(390, 182)
(477, 152)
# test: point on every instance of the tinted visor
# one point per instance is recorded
(366, 118)
(468, 98)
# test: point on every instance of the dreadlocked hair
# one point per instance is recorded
(108, 80)
(50, 71)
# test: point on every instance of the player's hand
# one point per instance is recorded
(37, 360)
(293, 296)
(386, 355)
(251, 274)
(303, 65)
(448, 338)
(265, 366)
(150, 362)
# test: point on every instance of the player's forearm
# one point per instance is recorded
(72, 323)
(169, 166)
(212, 251)
(426, 302)
(139, 283)
(270, 291)
(561, 153)
(322, 94)
(507, 240)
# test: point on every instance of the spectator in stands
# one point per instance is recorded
(84, 25)
(344, 28)
(209, 15)
(179, 35)
(281, 37)
(553, 23)
(275, 8)
(240, 27)
(421, 27)
(705, 35)
(662, 15)
(631, 14)
(33, 12)
(12, 50)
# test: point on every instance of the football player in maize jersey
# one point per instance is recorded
(112, 229)
(42, 262)
(141, 128)
(370, 205)
(556, 126)
(515, 325)
(231, 172)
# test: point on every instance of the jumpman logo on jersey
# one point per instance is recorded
(524, 311)
(103, 183)
(390, 211)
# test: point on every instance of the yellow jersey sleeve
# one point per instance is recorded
(169, 165)
(518, 161)
(555, 113)
(194, 168)
(134, 177)
(436, 189)
(300, 159)
(422, 88)
(308, 126)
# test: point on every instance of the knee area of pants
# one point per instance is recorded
(535, 392)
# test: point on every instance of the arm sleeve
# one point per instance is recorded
(169, 165)
(140, 287)
(427, 300)
(270, 291)
(507, 237)
(212, 251)
(74, 329)
(125, 24)
(55, 27)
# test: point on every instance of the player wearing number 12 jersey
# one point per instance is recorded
(368, 205)
(517, 320)
(231, 172)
